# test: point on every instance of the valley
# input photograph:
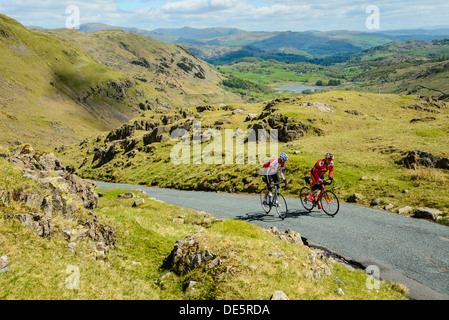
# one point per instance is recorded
(178, 109)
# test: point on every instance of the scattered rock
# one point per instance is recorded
(72, 247)
(339, 281)
(422, 158)
(187, 255)
(126, 195)
(427, 213)
(251, 116)
(4, 264)
(37, 222)
(405, 210)
(375, 202)
(324, 107)
(138, 202)
(356, 197)
(425, 119)
(279, 295)
(339, 292)
(287, 235)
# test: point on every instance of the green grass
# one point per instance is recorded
(145, 237)
(367, 145)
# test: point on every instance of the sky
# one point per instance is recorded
(250, 15)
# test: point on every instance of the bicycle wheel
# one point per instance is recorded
(329, 203)
(306, 199)
(266, 208)
(281, 206)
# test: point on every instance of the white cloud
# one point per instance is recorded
(268, 15)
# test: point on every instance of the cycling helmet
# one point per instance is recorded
(329, 156)
(283, 156)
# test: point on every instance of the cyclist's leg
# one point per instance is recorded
(267, 181)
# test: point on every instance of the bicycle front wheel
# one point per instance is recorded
(281, 206)
(266, 208)
(329, 203)
(306, 199)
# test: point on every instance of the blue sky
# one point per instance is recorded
(252, 15)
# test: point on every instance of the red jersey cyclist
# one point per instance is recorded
(318, 171)
(270, 172)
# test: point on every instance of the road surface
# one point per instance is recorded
(406, 250)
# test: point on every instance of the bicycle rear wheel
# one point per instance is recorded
(281, 206)
(306, 199)
(329, 203)
(266, 208)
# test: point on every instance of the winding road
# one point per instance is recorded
(410, 251)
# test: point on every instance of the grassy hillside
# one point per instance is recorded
(54, 91)
(135, 265)
(168, 68)
(368, 134)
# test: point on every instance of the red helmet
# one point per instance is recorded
(329, 156)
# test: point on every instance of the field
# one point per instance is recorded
(368, 134)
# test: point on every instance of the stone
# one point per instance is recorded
(37, 222)
(375, 202)
(421, 158)
(405, 210)
(126, 195)
(356, 197)
(279, 295)
(4, 264)
(72, 247)
(138, 202)
(427, 213)
(339, 292)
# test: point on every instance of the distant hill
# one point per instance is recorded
(60, 86)
(221, 45)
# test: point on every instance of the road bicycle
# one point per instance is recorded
(326, 199)
(276, 200)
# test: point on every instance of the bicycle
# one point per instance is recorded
(327, 200)
(277, 200)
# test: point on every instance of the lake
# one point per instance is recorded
(296, 88)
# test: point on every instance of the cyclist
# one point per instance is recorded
(270, 172)
(318, 171)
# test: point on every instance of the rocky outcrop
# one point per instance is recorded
(57, 192)
(188, 255)
(39, 223)
(287, 235)
(421, 158)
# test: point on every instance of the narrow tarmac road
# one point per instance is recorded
(410, 251)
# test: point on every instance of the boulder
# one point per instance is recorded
(138, 202)
(405, 210)
(356, 197)
(126, 195)
(421, 158)
(427, 213)
(187, 255)
(279, 295)
(37, 222)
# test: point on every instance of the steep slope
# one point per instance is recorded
(52, 92)
(370, 134)
(169, 68)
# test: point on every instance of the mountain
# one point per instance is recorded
(56, 91)
(170, 69)
(221, 45)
